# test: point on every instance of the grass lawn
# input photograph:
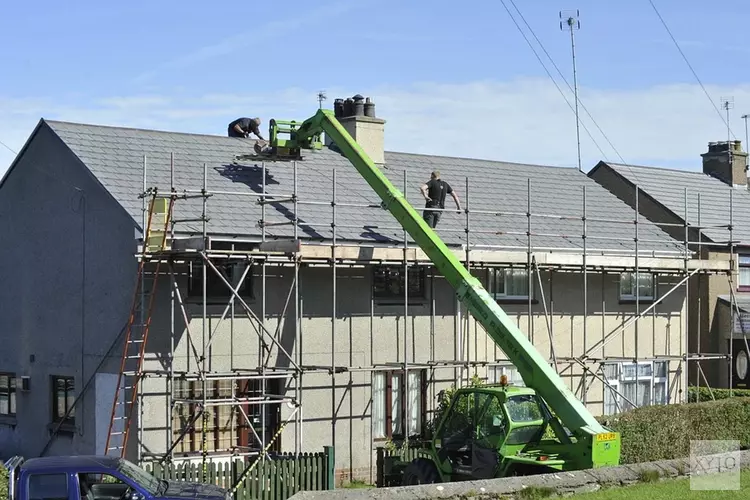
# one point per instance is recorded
(668, 489)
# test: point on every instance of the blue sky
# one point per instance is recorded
(450, 78)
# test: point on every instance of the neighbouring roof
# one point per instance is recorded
(668, 187)
(115, 156)
(741, 299)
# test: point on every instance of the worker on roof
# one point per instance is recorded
(243, 127)
(434, 195)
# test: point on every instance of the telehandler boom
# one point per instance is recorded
(488, 431)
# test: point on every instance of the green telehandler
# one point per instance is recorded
(487, 431)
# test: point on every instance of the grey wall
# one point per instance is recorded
(68, 270)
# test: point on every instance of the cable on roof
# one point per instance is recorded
(551, 77)
(664, 23)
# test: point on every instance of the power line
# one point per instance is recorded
(550, 76)
(533, 33)
(664, 23)
(8, 147)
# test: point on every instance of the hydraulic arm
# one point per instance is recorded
(594, 444)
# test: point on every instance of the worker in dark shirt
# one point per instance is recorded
(434, 195)
(243, 127)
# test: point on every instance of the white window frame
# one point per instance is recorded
(651, 368)
(494, 373)
(743, 262)
(379, 398)
(633, 283)
(507, 273)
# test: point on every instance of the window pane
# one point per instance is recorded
(660, 369)
(396, 415)
(4, 403)
(744, 259)
(415, 403)
(644, 370)
(744, 276)
(48, 487)
(628, 371)
(626, 284)
(519, 278)
(645, 285)
(12, 403)
(378, 405)
(610, 401)
(498, 285)
(611, 371)
(660, 393)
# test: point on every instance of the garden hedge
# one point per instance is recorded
(696, 394)
(664, 432)
(3, 483)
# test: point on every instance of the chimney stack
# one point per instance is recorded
(727, 162)
(357, 115)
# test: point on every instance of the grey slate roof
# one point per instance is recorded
(115, 156)
(668, 187)
(742, 300)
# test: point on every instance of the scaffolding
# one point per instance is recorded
(207, 251)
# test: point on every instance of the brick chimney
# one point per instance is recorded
(357, 115)
(727, 162)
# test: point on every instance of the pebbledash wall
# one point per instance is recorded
(371, 332)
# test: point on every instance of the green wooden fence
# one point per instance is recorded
(386, 474)
(276, 479)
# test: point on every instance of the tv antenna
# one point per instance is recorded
(321, 97)
(570, 20)
(728, 103)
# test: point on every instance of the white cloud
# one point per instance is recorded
(519, 121)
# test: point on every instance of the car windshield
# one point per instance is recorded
(523, 408)
(139, 476)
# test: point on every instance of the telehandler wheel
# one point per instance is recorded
(420, 471)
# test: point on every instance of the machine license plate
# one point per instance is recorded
(606, 436)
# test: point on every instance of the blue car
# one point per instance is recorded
(97, 478)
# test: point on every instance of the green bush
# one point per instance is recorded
(664, 432)
(696, 394)
(3, 483)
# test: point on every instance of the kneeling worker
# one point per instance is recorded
(243, 127)
(434, 195)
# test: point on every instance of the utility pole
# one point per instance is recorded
(569, 20)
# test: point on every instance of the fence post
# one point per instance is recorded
(379, 467)
(330, 458)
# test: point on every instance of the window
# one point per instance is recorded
(63, 395)
(216, 290)
(509, 283)
(7, 394)
(227, 427)
(744, 278)
(495, 372)
(388, 283)
(648, 378)
(645, 286)
(389, 405)
(48, 487)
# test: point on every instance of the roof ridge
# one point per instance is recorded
(421, 155)
(655, 167)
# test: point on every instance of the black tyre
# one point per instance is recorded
(420, 471)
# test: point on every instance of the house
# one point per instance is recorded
(715, 204)
(330, 306)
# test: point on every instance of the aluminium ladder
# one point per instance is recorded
(139, 322)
